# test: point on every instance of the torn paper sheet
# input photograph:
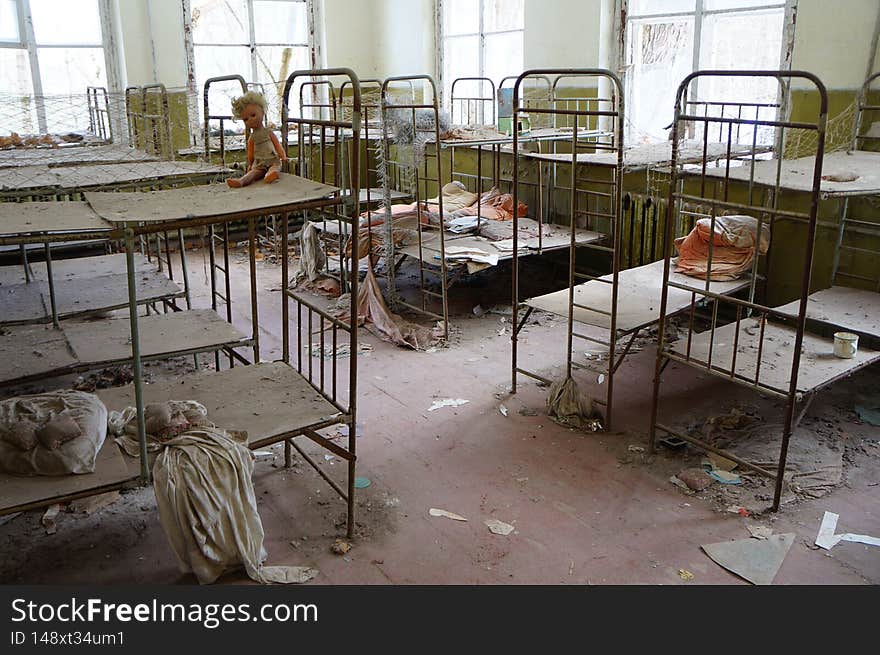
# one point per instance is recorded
(288, 574)
(447, 402)
(449, 515)
(498, 527)
(827, 539)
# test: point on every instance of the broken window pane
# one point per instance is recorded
(660, 55)
(280, 22)
(461, 17)
(219, 21)
(274, 65)
(500, 15)
(9, 22)
(72, 22)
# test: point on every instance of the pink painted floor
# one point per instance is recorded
(586, 510)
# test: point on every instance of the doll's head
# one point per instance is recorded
(250, 108)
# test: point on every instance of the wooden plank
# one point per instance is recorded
(60, 216)
(842, 308)
(21, 492)
(206, 201)
(160, 334)
(638, 297)
(83, 177)
(818, 366)
(268, 400)
(23, 302)
(27, 350)
(797, 174)
(27, 177)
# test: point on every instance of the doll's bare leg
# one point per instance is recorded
(248, 178)
(272, 174)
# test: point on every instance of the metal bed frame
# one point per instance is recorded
(700, 190)
(149, 119)
(100, 124)
(472, 108)
(597, 205)
(323, 382)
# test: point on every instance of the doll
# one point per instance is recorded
(264, 153)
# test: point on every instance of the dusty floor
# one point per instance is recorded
(587, 508)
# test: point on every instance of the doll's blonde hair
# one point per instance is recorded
(249, 98)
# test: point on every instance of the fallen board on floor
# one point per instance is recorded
(269, 401)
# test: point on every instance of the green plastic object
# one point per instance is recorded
(362, 483)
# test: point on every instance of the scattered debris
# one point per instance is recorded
(498, 527)
(755, 560)
(8, 517)
(49, 517)
(673, 442)
(479, 311)
(362, 483)
(725, 477)
(737, 509)
(635, 449)
(503, 410)
(115, 376)
(684, 574)
(340, 547)
(92, 504)
(446, 514)
(718, 463)
(827, 539)
(528, 411)
(678, 483)
(695, 478)
(447, 402)
(869, 411)
(759, 531)
(342, 350)
(288, 574)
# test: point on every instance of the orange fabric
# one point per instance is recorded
(733, 247)
(494, 206)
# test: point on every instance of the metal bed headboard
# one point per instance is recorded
(592, 202)
(694, 194)
(472, 108)
(99, 113)
(221, 118)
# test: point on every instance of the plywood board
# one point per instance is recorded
(99, 265)
(81, 177)
(755, 560)
(98, 154)
(33, 350)
(797, 174)
(843, 308)
(76, 295)
(818, 365)
(27, 177)
(638, 297)
(208, 200)
(22, 302)
(653, 155)
(60, 216)
(110, 340)
(17, 490)
(267, 400)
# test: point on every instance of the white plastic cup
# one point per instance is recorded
(846, 345)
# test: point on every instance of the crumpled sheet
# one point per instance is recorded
(312, 258)
(494, 206)
(455, 196)
(75, 456)
(568, 406)
(372, 311)
(733, 247)
(208, 509)
(123, 425)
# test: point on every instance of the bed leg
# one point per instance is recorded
(288, 454)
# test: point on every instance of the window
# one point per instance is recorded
(50, 51)
(481, 38)
(261, 40)
(665, 40)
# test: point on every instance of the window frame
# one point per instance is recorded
(481, 33)
(27, 41)
(623, 20)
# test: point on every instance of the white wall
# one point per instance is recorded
(352, 34)
(406, 38)
(562, 33)
(833, 39)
